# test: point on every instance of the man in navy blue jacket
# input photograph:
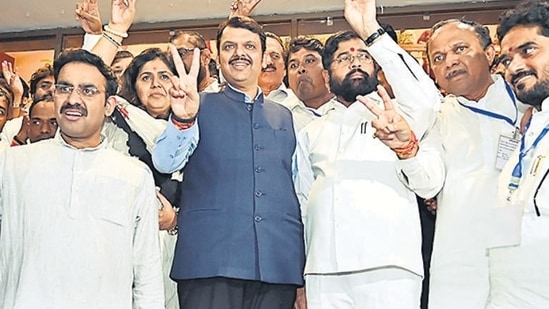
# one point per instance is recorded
(240, 233)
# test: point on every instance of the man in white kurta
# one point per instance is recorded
(360, 215)
(79, 222)
(519, 272)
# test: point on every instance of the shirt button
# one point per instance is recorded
(258, 169)
(249, 106)
(257, 147)
(258, 219)
(258, 193)
(256, 125)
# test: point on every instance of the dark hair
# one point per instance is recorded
(84, 56)
(121, 54)
(332, 44)
(390, 31)
(527, 13)
(245, 23)
(277, 38)
(482, 32)
(195, 38)
(128, 90)
(38, 75)
(47, 98)
(212, 67)
(303, 42)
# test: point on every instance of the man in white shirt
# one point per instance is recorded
(477, 126)
(79, 220)
(519, 273)
(362, 229)
(308, 80)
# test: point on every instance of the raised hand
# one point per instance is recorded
(12, 77)
(242, 7)
(122, 15)
(391, 128)
(184, 92)
(361, 16)
(87, 12)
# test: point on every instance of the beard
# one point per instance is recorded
(535, 95)
(348, 89)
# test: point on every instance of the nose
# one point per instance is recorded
(155, 82)
(451, 60)
(74, 96)
(516, 64)
(355, 62)
(45, 127)
(301, 69)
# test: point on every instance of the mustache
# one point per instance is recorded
(355, 70)
(520, 75)
(76, 106)
(239, 58)
(268, 66)
(454, 73)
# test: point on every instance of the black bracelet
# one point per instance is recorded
(379, 32)
(18, 141)
(181, 120)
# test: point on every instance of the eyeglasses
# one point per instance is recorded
(347, 58)
(184, 51)
(87, 92)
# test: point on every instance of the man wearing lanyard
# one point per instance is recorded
(477, 123)
(519, 272)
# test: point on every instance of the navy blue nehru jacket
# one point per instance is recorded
(239, 215)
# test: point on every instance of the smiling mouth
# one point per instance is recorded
(520, 77)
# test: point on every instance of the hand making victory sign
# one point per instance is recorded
(391, 128)
(184, 93)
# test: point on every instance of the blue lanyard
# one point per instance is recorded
(494, 115)
(517, 171)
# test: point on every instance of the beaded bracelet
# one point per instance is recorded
(112, 40)
(114, 32)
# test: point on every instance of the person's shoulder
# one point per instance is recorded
(276, 106)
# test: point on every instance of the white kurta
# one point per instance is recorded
(357, 213)
(79, 229)
(301, 114)
(459, 264)
(519, 271)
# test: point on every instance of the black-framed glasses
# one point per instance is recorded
(185, 51)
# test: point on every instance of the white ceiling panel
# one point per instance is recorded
(19, 15)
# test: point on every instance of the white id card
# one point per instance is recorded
(506, 147)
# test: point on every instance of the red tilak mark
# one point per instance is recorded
(352, 49)
(510, 49)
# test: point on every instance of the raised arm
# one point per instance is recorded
(122, 15)
(416, 93)
(176, 144)
(242, 7)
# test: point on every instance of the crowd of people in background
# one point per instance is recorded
(300, 174)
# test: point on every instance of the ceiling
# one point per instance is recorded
(23, 15)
